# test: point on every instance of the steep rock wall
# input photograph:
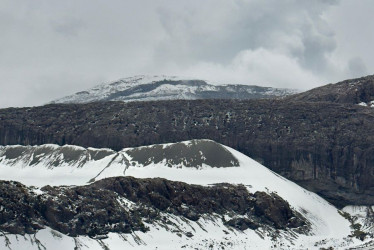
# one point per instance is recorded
(326, 147)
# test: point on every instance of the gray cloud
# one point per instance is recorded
(216, 30)
(357, 67)
(70, 27)
(49, 49)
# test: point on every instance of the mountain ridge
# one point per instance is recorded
(51, 164)
(148, 88)
(352, 91)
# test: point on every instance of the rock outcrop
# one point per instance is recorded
(125, 204)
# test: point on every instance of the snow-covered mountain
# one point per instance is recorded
(192, 194)
(149, 88)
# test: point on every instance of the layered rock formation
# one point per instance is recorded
(326, 147)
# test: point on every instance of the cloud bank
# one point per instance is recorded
(49, 49)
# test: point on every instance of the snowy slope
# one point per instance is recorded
(148, 88)
(328, 228)
(55, 165)
(51, 164)
(362, 216)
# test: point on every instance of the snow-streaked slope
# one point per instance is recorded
(149, 88)
(73, 165)
(326, 220)
(56, 165)
(328, 227)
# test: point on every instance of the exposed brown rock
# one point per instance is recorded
(95, 209)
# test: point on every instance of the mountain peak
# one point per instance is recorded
(162, 87)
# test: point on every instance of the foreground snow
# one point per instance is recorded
(328, 227)
(327, 223)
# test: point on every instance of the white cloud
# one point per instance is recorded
(49, 49)
(258, 67)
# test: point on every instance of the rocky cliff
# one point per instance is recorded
(324, 146)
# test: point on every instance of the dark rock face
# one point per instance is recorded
(96, 209)
(17, 213)
(274, 209)
(326, 147)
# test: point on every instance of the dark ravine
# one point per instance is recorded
(96, 209)
(326, 147)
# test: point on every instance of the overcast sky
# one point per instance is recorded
(49, 49)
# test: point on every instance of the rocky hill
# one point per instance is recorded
(162, 203)
(326, 147)
(148, 88)
(353, 91)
